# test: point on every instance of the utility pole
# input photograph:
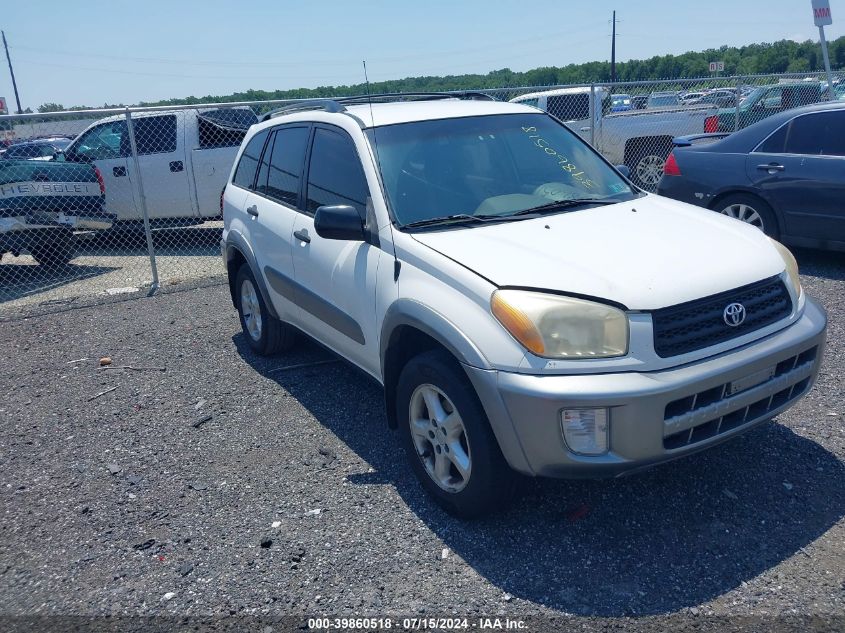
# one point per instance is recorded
(12, 72)
(612, 52)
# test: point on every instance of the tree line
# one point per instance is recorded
(785, 56)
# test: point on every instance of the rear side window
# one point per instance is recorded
(225, 127)
(286, 162)
(335, 175)
(819, 134)
(569, 107)
(248, 165)
(155, 134)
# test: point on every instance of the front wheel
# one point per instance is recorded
(646, 164)
(448, 440)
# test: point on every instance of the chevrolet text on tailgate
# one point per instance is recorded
(525, 307)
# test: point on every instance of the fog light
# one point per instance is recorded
(585, 430)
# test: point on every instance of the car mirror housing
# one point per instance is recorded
(624, 170)
(339, 222)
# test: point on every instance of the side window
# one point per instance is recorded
(776, 142)
(820, 134)
(286, 162)
(105, 141)
(155, 134)
(225, 127)
(335, 175)
(571, 107)
(248, 165)
(264, 167)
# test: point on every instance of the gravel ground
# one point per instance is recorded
(155, 498)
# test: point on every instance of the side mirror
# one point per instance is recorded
(624, 170)
(59, 156)
(339, 222)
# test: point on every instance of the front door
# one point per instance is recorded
(104, 146)
(337, 278)
(801, 170)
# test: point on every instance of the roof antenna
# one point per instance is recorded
(397, 265)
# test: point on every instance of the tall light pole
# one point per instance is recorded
(12, 72)
(613, 51)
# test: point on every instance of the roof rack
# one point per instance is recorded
(337, 105)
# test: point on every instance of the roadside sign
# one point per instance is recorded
(821, 12)
(717, 67)
(3, 108)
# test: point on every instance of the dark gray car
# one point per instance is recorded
(785, 175)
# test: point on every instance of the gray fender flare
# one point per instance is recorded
(482, 376)
(235, 242)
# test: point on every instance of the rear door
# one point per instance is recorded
(800, 169)
(274, 206)
(106, 145)
(161, 157)
(336, 279)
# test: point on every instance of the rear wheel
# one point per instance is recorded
(448, 440)
(751, 210)
(265, 334)
(54, 250)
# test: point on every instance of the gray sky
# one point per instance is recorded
(95, 51)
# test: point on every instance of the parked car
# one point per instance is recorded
(690, 98)
(42, 204)
(785, 175)
(185, 157)
(620, 103)
(640, 139)
(663, 100)
(523, 305)
(639, 102)
(719, 98)
(42, 149)
(765, 101)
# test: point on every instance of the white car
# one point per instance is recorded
(525, 307)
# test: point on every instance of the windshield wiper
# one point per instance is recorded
(564, 204)
(455, 219)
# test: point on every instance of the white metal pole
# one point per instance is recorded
(826, 64)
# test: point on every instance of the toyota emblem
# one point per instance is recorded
(734, 314)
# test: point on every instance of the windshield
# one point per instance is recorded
(486, 166)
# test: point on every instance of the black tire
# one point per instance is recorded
(491, 483)
(274, 336)
(55, 250)
(651, 155)
(767, 220)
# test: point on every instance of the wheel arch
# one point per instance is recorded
(410, 328)
(239, 253)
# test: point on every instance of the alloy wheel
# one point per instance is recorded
(251, 310)
(440, 438)
(744, 213)
(649, 169)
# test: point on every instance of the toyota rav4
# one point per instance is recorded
(525, 307)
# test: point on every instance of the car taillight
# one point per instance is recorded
(222, 193)
(711, 124)
(101, 181)
(670, 167)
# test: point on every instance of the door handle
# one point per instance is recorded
(118, 172)
(771, 167)
(302, 236)
(176, 165)
(586, 128)
(253, 211)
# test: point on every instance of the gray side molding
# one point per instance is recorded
(434, 324)
(236, 242)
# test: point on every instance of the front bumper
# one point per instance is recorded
(655, 416)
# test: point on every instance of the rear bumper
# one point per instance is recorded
(654, 417)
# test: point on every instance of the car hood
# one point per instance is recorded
(648, 253)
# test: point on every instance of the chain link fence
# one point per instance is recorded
(115, 203)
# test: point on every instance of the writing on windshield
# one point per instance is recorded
(563, 162)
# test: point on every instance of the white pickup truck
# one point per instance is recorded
(640, 139)
(185, 157)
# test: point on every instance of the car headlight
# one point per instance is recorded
(554, 326)
(791, 267)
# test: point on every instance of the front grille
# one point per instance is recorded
(712, 412)
(698, 324)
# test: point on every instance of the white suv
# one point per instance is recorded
(524, 306)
